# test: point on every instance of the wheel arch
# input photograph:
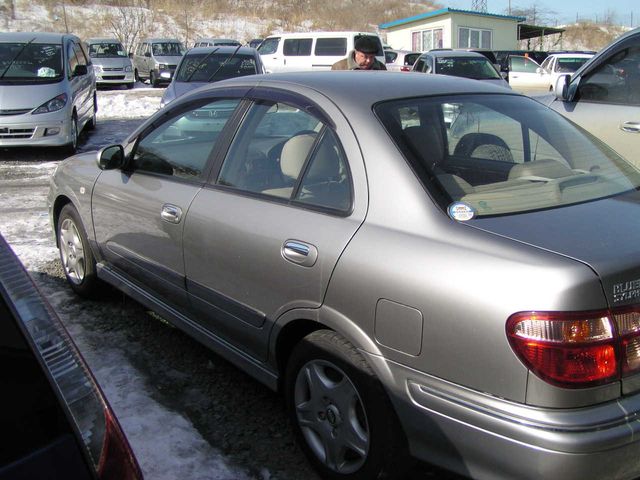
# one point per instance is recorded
(58, 204)
(293, 326)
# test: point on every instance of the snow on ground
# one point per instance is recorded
(166, 444)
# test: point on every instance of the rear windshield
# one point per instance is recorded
(106, 50)
(203, 67)
(30, 62)
(502, 154)
(570, 65)
(478, 68)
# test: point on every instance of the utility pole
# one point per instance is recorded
(64, 16)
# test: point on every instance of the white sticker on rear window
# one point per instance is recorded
(461, 211)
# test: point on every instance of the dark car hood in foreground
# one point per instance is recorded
(604, 234)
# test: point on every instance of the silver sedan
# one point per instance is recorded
(423, 265)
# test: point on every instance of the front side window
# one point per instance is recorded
(522, 64)
(503, 154)
(615, 81)
(30, 62)
(269, 46)
(284, 152)
(181, 146)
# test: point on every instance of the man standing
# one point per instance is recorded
(362, 57)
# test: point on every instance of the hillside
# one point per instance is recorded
(243, 19)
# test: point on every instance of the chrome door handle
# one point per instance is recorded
(300, 253)
(171, 213)
(631, 127)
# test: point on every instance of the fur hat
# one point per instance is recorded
(366, 44)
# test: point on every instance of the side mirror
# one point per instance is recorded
(147, 54)
(111, 157)
(561, 88)
(80, 70)
(427, 69)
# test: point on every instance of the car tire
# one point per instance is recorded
(91, 124)
(350, 432)
(130, 85)
(77, 259)
(153, 79)
(70, 148)
(136, 76)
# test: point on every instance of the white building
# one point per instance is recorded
(452, 28)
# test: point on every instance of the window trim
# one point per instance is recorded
(480, 31)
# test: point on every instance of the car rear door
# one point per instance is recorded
(139, 212)
(264, 236)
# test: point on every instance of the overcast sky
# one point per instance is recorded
(564, 11)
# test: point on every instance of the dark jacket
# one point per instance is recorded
(350, 64)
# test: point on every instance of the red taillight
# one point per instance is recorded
(116, 460)
(566, 349)
(578, 349)
(405, 69)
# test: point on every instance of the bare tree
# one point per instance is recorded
(128, 24)
(535, 14)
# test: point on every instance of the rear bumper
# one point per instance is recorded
(486, 437)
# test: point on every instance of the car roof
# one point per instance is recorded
(158, 40)
(37, 37)
(571, 55)
(321, 34)
(223, 49)
(356, 88)
(103, 40)
(454, 53)
(213, 39)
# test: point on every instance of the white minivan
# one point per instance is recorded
(309, 50)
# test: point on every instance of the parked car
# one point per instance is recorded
(111, 63)
(294, 52)
(525, 75)
(47, 90)
(603, 96)
(216, 42)
(156, 59)
(502, 56)
(557, 64)
(56, 423)
(407, 290)
(200, 66)
(459, 63)
(400, 60)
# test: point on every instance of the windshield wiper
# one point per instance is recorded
(4, 72)
(224, 63)
(204, 59)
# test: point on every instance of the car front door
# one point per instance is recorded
(524, 76)
(607, 102)
(139, 212)
(264, 236)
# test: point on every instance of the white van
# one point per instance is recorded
(309, 50)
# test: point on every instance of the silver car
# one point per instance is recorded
(202, 65)
(459, 63)
(413, 282)
(47, 90)
(603, 96)
(111, 62)
(156, 59)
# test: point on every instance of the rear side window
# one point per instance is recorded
(326, 47)
(284, 152)
(296, 47)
